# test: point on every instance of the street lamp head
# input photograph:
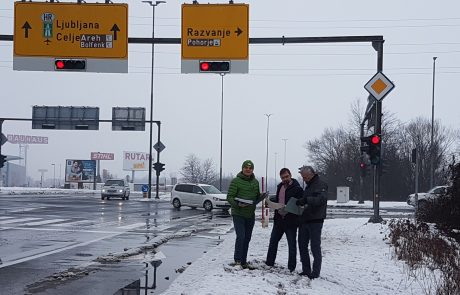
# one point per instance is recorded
(434, 58)
(153, 3)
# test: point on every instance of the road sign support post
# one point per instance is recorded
(376, 218)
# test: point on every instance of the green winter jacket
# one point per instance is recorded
(244, 187)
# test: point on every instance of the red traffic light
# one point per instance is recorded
(204, 66)
(375, 139)
(70, 64)
(362, 165)
(214, 66)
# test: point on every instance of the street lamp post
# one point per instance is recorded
(432, 127)
(266, 159)
(54, 175)
(285, 140)
(153, 4)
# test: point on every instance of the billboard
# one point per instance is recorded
(135, 161)
(80, 170)
(26, 139)
(102, 156)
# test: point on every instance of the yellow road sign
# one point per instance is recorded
(379, 86)
(215, 31)
(71, 30)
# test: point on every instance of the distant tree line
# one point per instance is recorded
(336, 155)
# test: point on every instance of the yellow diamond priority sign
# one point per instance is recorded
(379, 86)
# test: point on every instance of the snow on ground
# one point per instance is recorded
(356, 260)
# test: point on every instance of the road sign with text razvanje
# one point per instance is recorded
(215, 31)
(379, 86)
(72, 30)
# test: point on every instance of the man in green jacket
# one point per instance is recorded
(243, 195)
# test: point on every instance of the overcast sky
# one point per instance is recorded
(306, 87)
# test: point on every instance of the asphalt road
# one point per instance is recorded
(83, 245)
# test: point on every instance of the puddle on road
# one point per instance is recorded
(167, 264)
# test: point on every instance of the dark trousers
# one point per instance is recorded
(280, 228)
(310, 233)
(243, 229)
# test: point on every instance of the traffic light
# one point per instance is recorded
(375, 149)
(2, 160)
(214, 66)
(158, 167)
(69, 65)
(372, 147)
(364, 165)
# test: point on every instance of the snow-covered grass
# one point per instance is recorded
(356, 260)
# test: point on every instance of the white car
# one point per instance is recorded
(430, 195)
(198, 195)
(115, 188)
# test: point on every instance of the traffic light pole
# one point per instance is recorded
(376, 218)
(361, 176)
(157, 186)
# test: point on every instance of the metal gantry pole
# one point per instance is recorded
(157, 185)
(221, 130)
(432, 128)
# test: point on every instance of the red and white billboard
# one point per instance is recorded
(135, 161)
(26, 139)
(102, 156)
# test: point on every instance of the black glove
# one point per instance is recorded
(300, 202)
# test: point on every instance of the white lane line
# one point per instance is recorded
(6, 217)
(25, 210)
(18, 220)
(74, 223)
(44, 222)
(131, 226)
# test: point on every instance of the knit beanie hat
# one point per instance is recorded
(247, 163)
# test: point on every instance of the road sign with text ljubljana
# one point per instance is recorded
(71, 30)
(379, 86)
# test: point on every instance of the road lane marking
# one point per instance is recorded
(6, 217)
(18, 220)
(44, 222)
(131, 226)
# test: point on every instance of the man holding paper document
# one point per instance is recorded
(315, 202)
(243, 195)
(285, 221)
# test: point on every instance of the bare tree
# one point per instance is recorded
(191, 171)
(209, 174)
(195, 171)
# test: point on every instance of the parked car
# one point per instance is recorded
(423, 198)
(198, 195)
(115, 188)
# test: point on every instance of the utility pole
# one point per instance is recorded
(285, 140)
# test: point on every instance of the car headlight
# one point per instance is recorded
(120, 190)
(103, 190)
(215, 199)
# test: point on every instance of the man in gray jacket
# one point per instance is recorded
(314, 200)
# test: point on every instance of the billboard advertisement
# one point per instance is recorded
(102, 156)
(26, 139)
(80, 170)
(135, 161)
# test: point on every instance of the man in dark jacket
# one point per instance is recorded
(311, 222)
(284, 222)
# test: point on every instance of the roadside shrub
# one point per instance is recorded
(433, 259)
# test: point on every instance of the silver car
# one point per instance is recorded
(198, 195)
(115, 188)
(432, 194)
